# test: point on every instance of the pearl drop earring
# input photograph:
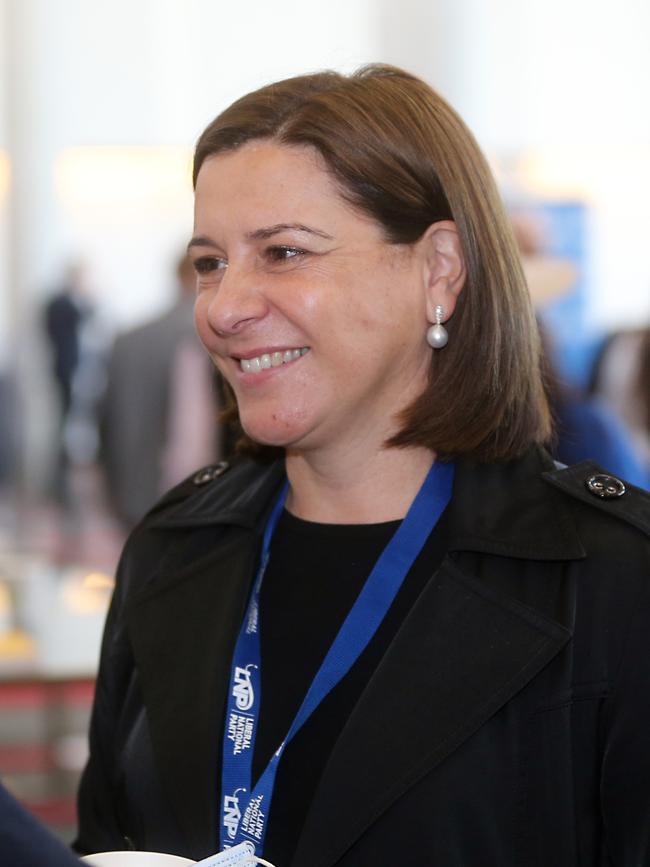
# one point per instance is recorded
(437, 336)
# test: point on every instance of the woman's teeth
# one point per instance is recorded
(271, 359)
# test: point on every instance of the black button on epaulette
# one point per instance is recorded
(605, 487)
(209, 474)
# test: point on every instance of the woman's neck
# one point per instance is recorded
(355, 489)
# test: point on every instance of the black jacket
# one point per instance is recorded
(508, 723)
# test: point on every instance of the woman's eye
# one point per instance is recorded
(208, 264)
(281, 253)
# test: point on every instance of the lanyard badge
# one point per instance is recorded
(242, 855)
(245, 807)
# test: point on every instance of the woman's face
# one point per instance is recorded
(316, 322)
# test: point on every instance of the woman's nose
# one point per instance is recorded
(237, 302)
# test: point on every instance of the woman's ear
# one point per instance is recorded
(444, 267)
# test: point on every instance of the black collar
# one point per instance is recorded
(505, 508)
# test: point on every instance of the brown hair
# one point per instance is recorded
(403, 156)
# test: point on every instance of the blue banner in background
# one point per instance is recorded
(576, 347)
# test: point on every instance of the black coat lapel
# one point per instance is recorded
(186, 627)
(490, 646)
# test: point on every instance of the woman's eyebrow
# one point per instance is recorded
(263, 234)
(268, 231)
(201, 241)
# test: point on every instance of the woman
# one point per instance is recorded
(445, 662)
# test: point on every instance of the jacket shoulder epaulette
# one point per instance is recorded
(234, 491)
(591, 484)
(189, 486)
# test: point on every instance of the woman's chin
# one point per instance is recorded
(277, 431)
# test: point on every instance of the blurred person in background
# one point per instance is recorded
(24, 842)
(65, 315)
(159, 415)
(395, 632)
(585, 428)
(10, 422)
(621, 377)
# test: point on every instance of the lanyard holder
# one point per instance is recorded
(237, 856)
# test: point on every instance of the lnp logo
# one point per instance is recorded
(243, 688)
(232, 813)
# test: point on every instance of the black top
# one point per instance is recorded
(313, 578)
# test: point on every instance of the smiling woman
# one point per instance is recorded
(287, 269)
(396, 625)
(398, 155)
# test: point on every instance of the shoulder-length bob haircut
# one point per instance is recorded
(402, 155)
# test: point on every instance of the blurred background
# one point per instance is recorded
(100, 104)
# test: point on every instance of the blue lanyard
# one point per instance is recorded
(245, 807)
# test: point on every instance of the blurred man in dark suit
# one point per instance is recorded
(160, 411)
